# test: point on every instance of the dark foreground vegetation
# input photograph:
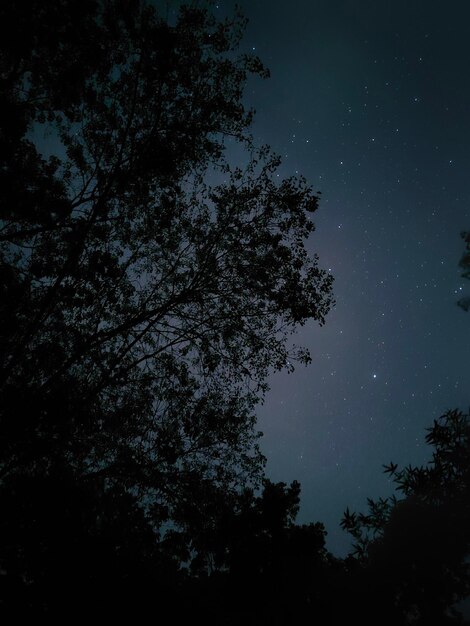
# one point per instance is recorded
(148, 287)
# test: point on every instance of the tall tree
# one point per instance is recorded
(253, 565)
(148, 287)
(413, 551)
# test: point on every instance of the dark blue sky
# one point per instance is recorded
(370, 101)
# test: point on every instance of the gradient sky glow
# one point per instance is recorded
(370, 101)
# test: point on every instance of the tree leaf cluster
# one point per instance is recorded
(148, 285)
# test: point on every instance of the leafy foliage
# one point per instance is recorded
(142, 306)
(148, 287)
(414, 550)
(253, 564)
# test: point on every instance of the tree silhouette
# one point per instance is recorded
(252, 564)
(147, 286)
(142, 307)
(414, 551)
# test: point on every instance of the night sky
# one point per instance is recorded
(370, 101)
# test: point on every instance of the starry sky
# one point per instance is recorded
(370, 101)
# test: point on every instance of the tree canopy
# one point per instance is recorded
(414, 549)
(148, 286)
